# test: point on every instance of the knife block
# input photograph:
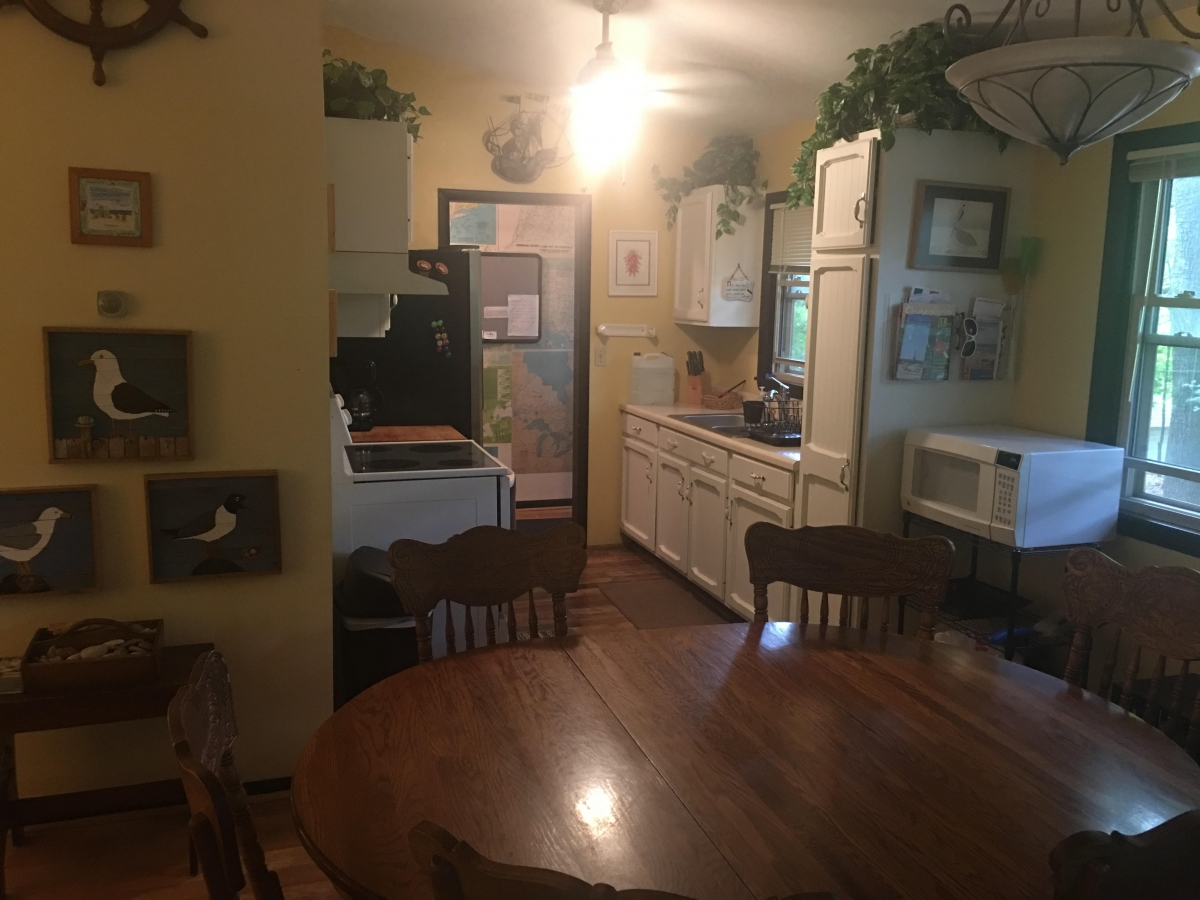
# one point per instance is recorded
(697, 387)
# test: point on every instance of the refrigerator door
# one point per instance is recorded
(430, 364)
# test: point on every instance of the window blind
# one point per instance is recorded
(791, 238)
(1162, 163)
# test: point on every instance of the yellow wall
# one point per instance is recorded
(230, 130)
(1070, 212)
(450, 154)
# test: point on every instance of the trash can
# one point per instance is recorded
(373, 636)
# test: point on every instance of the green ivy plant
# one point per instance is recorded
(353, 92)
(902, 83)
(731, 161)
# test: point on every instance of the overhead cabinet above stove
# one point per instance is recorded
(368, 167)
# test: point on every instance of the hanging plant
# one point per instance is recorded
(527, 142)
(898, 84)
(353, 92)
(731, 161)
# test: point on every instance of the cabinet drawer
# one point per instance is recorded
(762, 478)
(701, 455)
(635, 427)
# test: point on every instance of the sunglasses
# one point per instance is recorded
(970, 331)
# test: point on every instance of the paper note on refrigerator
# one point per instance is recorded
(523, 315)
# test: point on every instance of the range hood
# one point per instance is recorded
(358, 272)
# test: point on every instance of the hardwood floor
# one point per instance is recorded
(143, 856)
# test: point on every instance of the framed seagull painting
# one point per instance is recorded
(48, 540)
(212, 523)
(118, 394)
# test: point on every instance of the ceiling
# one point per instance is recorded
(729, 66)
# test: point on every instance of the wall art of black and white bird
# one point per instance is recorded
(20, 543)
(116, 397)
(212, 525)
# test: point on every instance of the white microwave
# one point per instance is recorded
(1017, 487)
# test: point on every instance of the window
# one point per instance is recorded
(784, 333)
(1145, 388)
(1162, 418)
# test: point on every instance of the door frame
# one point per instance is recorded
(583, 312)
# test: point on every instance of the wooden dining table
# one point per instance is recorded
(733, 761)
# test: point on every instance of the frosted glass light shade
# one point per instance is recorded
(1066, 93)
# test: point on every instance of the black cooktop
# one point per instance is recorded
(437, 456)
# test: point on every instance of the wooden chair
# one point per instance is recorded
(851, 562)
(202, 727)
(1157, 609)
(1159, 864)
(487, 566)
(458, 872)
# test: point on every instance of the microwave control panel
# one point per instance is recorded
(1003, 507)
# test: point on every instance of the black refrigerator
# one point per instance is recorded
(428, 368)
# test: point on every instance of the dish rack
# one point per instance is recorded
(779, 423)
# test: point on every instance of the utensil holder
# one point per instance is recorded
(694, 395)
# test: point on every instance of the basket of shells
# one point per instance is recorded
(92, 654)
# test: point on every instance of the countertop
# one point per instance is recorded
(784, 457)
(397, 433)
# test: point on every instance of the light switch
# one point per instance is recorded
(601, 356)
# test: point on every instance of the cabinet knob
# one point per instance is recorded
(637, 428)
(671, 445)
(708, 458)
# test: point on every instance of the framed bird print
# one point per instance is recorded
(212, 523)
(118, 394)
(48, 540)
(958, 227)
(111, 207)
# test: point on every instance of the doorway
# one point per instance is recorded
(535, 393)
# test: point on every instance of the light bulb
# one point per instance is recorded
(607, 106)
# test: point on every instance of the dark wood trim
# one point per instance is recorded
(1116, 278)
(766, 302)
(1161, 534)
(268, 785)
(583, 310)
(100, 802)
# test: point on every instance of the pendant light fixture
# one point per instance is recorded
(607, 100)
(1065, 93)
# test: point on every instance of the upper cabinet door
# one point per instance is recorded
(829, 454)
(694, 231)
(367, 163)
(844, 195)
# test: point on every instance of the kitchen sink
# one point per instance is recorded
(732, 425)
(712, 421)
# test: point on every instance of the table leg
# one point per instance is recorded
(1014, 599)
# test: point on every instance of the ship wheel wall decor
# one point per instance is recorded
(100, 38)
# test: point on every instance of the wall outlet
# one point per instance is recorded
(601, 356)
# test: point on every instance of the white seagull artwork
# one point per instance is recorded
(20, 543)
(116, 397)
(212, 525)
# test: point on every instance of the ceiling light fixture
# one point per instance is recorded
(607, 100)
(1065, 93)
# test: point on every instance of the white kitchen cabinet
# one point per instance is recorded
(638, 499)
(368, 165)
(671, 520)
(745, 508)
(708, 519)
(693, 257)
(844, 195)
(703, 263)
(837, 336)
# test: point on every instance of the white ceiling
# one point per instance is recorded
(737, 66)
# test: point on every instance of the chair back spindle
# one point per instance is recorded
(855, 563)
(485, 567)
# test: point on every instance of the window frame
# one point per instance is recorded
(1118, 333)
(769, 307)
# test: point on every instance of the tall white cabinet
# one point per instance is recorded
(856, 413)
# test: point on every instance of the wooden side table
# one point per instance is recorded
(22, 713)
